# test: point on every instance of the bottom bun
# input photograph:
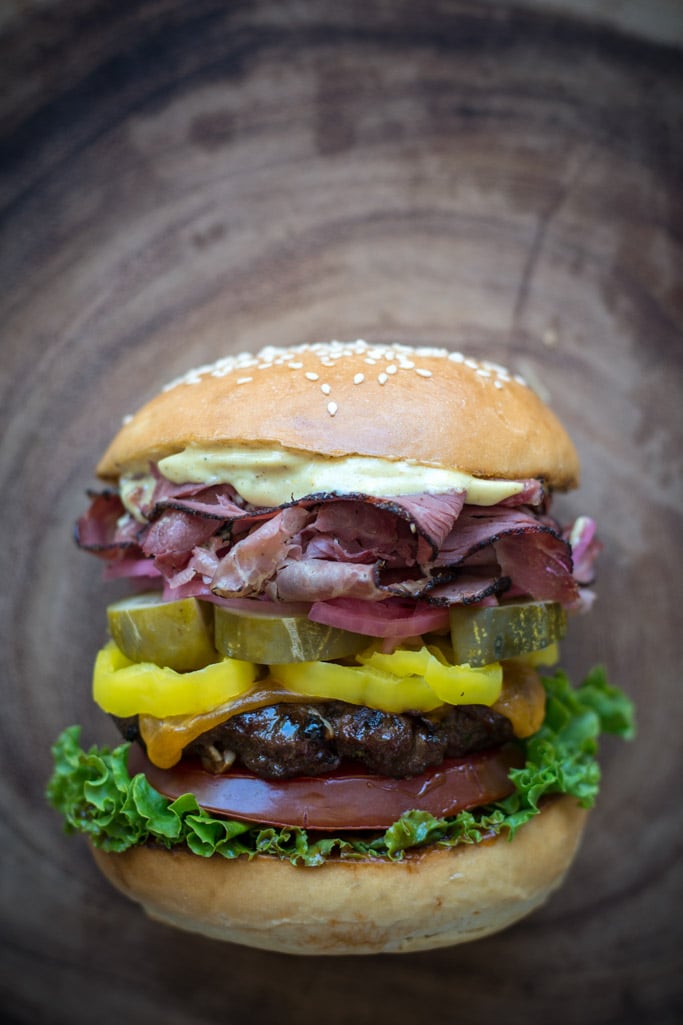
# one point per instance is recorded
(433, 898)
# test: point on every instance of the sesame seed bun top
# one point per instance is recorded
(427, 405)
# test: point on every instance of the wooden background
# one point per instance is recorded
(180, 180)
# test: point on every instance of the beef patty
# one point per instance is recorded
(289, 739)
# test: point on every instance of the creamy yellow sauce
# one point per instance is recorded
(271, 476)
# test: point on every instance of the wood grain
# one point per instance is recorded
(184, 180)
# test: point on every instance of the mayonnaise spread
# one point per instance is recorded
(272, 476)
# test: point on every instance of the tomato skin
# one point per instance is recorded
(348, 799)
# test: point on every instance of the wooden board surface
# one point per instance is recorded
(184, 180)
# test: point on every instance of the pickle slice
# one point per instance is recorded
(175, 634)
(272, 640)
(483, 635)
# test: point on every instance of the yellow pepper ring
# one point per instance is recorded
(357, 684)
(122, 687)
(403, 681)
(453, 684)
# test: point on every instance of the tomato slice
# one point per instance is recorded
(348, 799)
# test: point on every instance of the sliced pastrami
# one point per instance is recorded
(106, 529)
(478, 527)
(543, 569)
(359, 531)
(253, 560)
(416, 547)
(215, 503)
(432, 516)
(319, 579)
(176, 532)
(463, 589)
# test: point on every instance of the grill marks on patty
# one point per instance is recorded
(289, 739)
(285, 740)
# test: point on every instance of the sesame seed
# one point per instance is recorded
(496, 367)
(332, 408)
(359, 378)
(269, 353)
(430, 350)
(325, 389)
(391, 358)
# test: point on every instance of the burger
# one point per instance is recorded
(334, 670)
